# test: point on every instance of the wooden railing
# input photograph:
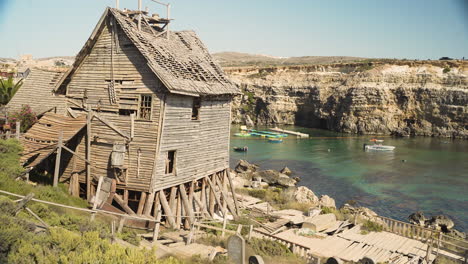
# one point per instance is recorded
(435, 238)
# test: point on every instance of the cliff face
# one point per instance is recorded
(404, 98)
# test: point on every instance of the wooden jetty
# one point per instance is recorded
(299, 134)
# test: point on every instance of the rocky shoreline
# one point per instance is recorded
(252, 177)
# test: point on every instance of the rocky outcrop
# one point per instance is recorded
(327, 201)
(402, 98)
(273, 177)
(305, 195)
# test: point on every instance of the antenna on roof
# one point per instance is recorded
(117, 4)
(168, 13)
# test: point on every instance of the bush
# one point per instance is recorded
(26, 116)
(446, 70)
(371, 226)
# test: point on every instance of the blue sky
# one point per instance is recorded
(414, 29)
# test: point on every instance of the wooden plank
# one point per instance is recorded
(57, 159)
(214, 193)
(228, 202)
(158, 223)
(233, 192)
(149, 204)
(88, 153)
(141, 203)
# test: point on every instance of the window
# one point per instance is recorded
(170, 162)
(196, 108)
(145, 107)
(126, 112)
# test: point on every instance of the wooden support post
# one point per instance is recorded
(132, 125)
(202, 207)
(57, 159)
(122, 204)
(22, 203)
(188, 207)
(149, 204)
(203, 192)
(226, 199)
(212, 186)
(211, 195)
(191, 192)
(18, 130)
(125, 196)
(158, 223)
(167, 209)
(178, 211)
(121, 224)
(157, 204)
(239, 229)
(250, 232)
(75, 185)
(172, 198)
(88, 153)
(224, 224)
(234, 196)
(96, 198)
(141, 203)
(37, 217)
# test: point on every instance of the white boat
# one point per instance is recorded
(378, 147)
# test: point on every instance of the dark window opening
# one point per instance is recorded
(170, 162)
(145, 107)
(196, 108)
(126, 112)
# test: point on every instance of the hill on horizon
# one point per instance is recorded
(238, 59)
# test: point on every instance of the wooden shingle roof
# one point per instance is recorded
(180, 61)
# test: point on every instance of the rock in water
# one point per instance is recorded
(305, 195)
(417, 218)
(286, 171)
(327, 201)
(285, 181)
(248, 121)
(245, 167)
(442, 221)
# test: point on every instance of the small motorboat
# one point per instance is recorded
(378, 147)
(241, 149)
(376, 140)
(275, 140)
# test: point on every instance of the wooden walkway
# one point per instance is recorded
(353, 246)
(299, 134)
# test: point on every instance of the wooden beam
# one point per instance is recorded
(158, 223)
(96, 197)
(172, 198)
(18, 130)
(73, 153)
(167, 209)
(178, 211)
(202, 207)
(141, 203)
(157, 203)
(122, 204)
(57, 159)
(125, 196)
(211, 199)
(88, 153)
(132, 125)
(188, 207)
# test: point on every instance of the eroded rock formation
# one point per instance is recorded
(401, 98)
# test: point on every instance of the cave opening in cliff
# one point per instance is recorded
(323, 123)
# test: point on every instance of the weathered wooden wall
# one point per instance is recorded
(133, 78)
(202, 145)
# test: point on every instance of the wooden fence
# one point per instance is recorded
(11, 133)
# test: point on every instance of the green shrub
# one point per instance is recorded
(130, 236)
(26, 116)
(371, 226)
(267, 247)
(446, 70)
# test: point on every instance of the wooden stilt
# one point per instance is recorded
(167, 209)
(187, 206)
(229, 204)
(233, 192)
(149, 204)
(158, 223)
(121, 224)
(157, 203)
(213, 190)
(141, 203)
(57, 159)
(203, 191)
(211, 195)
(125, 196)
(202, 207)
(122, 204)
(75, 185)
(179, 212)
(190, 196)
(172, 198)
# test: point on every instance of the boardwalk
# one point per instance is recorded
(299, 134)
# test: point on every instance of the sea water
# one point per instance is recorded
(421, 174)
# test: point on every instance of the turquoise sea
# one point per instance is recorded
(422, 173)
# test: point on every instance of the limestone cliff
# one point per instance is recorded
(398, 97)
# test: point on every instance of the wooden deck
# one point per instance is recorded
(299, 134)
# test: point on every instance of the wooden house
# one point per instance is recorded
(147, 122)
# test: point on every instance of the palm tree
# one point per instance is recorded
(8, 89)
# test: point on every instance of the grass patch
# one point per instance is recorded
(266, 247)
(370, 226)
